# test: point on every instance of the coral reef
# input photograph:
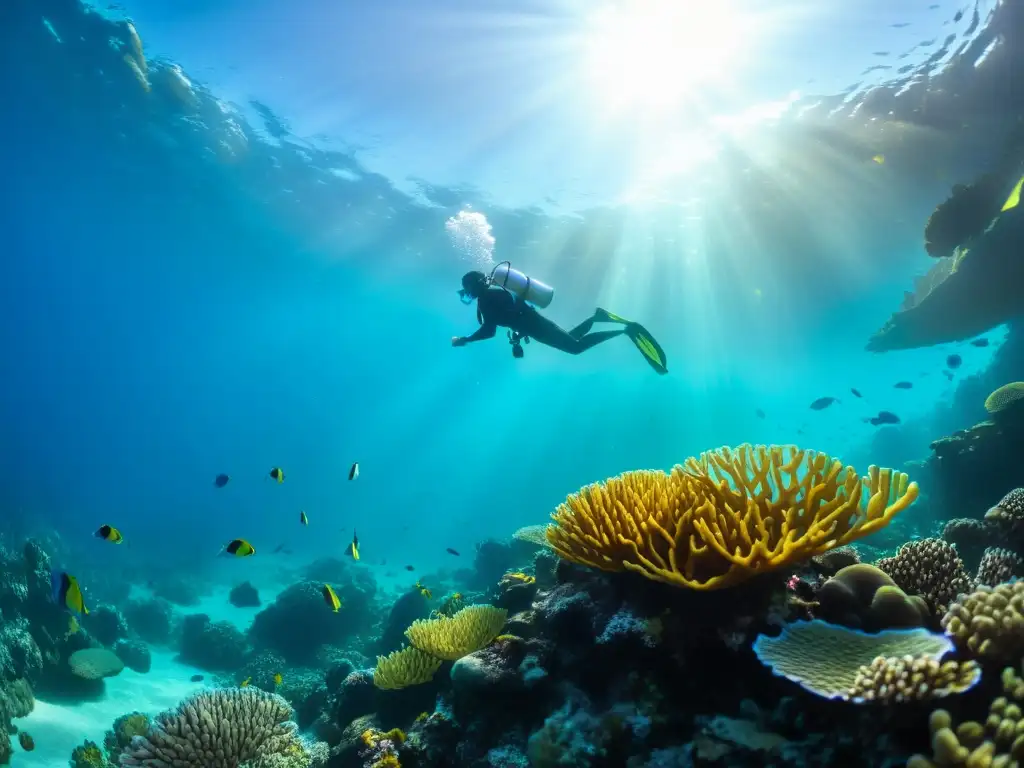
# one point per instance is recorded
(989, 622)
(728, 520)
(213, 645)
(244, 595)
(151, 619)
(400, 669)
(930, 568)
(296, 626)
(106, 624)
(1008, 513)
(135, 654)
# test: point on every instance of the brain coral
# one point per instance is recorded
(218, 729)
(726, 515)
(835, 662)
(930, 568)
(862, 596)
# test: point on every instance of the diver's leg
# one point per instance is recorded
(583, 328)
(550, 334)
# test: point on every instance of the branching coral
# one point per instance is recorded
(452, 637)
(218, 729)
(835, 662)
(930, 568)
(400, 669)
(989, 622)
(998, 565)
(726, 515)
(999, 741)
(899, 680)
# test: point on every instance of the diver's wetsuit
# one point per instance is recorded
(499, 307)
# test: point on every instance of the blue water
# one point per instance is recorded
(248, 276)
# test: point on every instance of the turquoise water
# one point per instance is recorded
(240, 249)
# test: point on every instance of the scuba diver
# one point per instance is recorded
(507, 298)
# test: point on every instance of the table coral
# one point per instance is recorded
(833, 661)
(726, 515)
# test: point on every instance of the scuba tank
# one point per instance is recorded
(526, 288)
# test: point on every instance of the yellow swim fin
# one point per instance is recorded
(649, 348)
(1014, 199)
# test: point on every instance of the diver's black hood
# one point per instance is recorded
(474, 282)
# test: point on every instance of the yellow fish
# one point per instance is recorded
(353, 548)
(109, 533)
(278, 474)
(331, 598)
(277, 678)
(67, 593)
(880, 159)
(240, 548)
(245, 683)
(424, 591)
(303, 519)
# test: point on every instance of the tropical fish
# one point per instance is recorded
(221, 480)
(331, 598)
(278, 474)
(884, 417)
(954, 361)
(245, 683)
(196, 679)
(410, 567)
(424, 591)
(303, 519)
(823, 402)
(879, 159)
(980, 342)
(239, 548)
(278, 679)
(451, 551)
(903, 385)
(353, 473)
(109, 533)
(353, 548)
(759, 413)
(67, 593)
(855, 392)
(26, 741)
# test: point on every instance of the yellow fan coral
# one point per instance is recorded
(726, 515)
(400, 669)
(452, 637)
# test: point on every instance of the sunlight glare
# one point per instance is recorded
(653, 54)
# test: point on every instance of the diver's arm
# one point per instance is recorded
(485, 331)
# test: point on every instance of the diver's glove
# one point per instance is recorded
(458, 341)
